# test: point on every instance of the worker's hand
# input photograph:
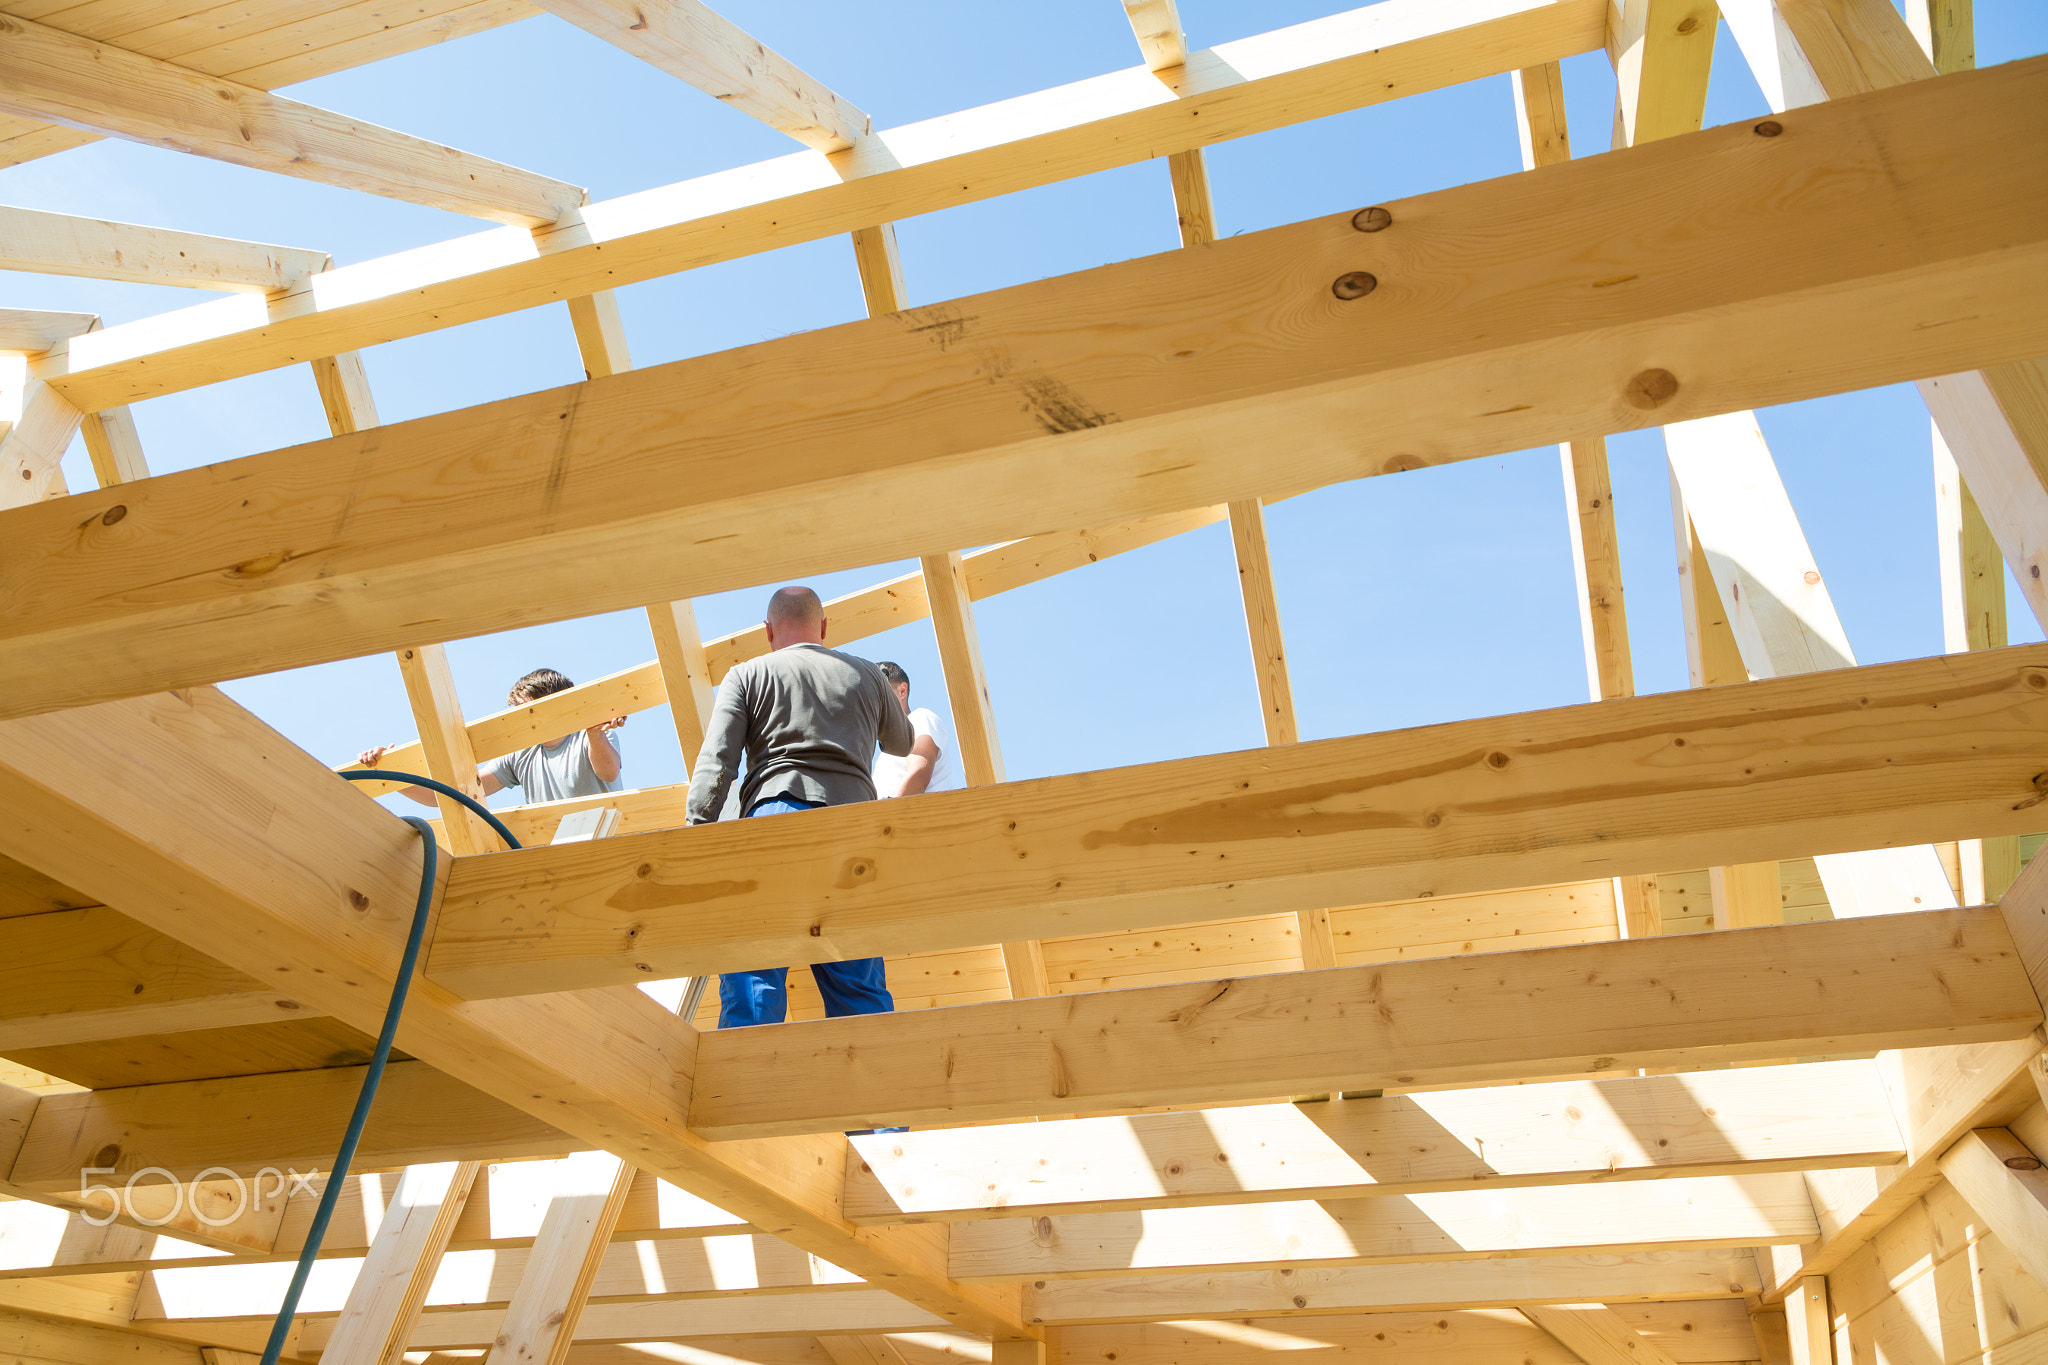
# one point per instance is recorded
(614, 723)
(369, 757)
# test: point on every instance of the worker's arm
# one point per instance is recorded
(604, 759)
(369, 758)
(917, 769)
(894, 732)
(718, 762)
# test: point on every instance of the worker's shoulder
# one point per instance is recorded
(816, 659)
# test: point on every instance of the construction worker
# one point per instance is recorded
(807, 718)
(930, 765)
(586, 763)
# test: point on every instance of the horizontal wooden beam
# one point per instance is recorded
(64, 244)
(73, 976)
(1797, 990)
(1746, 1121)
(1720, 1211)
(297, 879)
(1804, 296)
(47, 73)
(1363, 57)
(1630, 1277)
(1900, 753)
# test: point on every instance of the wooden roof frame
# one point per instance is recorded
(1084, 1235)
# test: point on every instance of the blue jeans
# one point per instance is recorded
(762, 997)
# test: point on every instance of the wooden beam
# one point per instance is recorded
(1427, 812)
(33, 330)
(1808, 1323)
(1995, 420)
(1216, 1042)
(1596, 1334)
(1784, 622)
(1461, 1339)
(264, 896)
(1945, 31)
(49, 74)
(114, 446)
(693, 43)
(384, 1303)
(1628, 1277)
(63, 244)
(1679, 1214)
(1324, 67)
(28, 1338)
(73, 976)
(36, 425)
(632, 523)
(540, 1322)
(1631, 1128)
(437, 710)
(1662, 51)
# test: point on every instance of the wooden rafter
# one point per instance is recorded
(62, 244)
(1324, 67)
(50, 74)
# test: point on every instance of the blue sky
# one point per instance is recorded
(1406, 600)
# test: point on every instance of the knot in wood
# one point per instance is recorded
(1355, 284)
(1650, 389)
(1770, 127)
(1374, 219)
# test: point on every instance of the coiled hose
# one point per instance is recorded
(337, 1177)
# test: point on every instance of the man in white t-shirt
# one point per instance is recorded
(930, 765)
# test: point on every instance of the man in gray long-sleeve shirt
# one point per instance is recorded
(808, 719)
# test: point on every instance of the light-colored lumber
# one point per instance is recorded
(114, 447)
(1661, 1276)
(1548, 1012)
(1024, 1352)
(1262, 618)
(693, 43)
(1707, 1212)
(868, 1350)
(1797, 765)
(1995, 420)
(1596, 563)
(1459, 1338)
(1945, 31)
(1777, 604)
(2003, 1182)
(437, 709)
(1631, 1128)
(1596, 1334)
(540, 1322)
(50, 74)
(284, 1119)
(974, 726)
(36, 424)
(389, 1291)
(71, 976)
(1344, 62)
(1662, 51)
(1808, 1323)
(1973, 614)
(30, 330)
(259, 893)
(345, 392)
(63, 244)
(685, 673)
(1995, 423)
(32, 1339)
(1746, 895)
(633, 523)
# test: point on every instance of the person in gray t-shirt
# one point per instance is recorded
(586, 763)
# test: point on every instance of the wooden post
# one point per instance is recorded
(1018, 1353)
(1807, 1322)
(2003, 1183)
(391, 1288)
(114, 446)
(540, 1323)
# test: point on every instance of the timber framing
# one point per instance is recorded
(1426, 1041)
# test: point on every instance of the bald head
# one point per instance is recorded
(795, 617)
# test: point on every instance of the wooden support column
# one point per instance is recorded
(114, 446)
(429, 681)
(974, 726)
(1018, 1353)
(1588, 499)
(574, 1236)
(871, 1350)
(36, 424)
(1807, 1322)
(391, 1288)
(2003, 1183)
(1784, 622)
